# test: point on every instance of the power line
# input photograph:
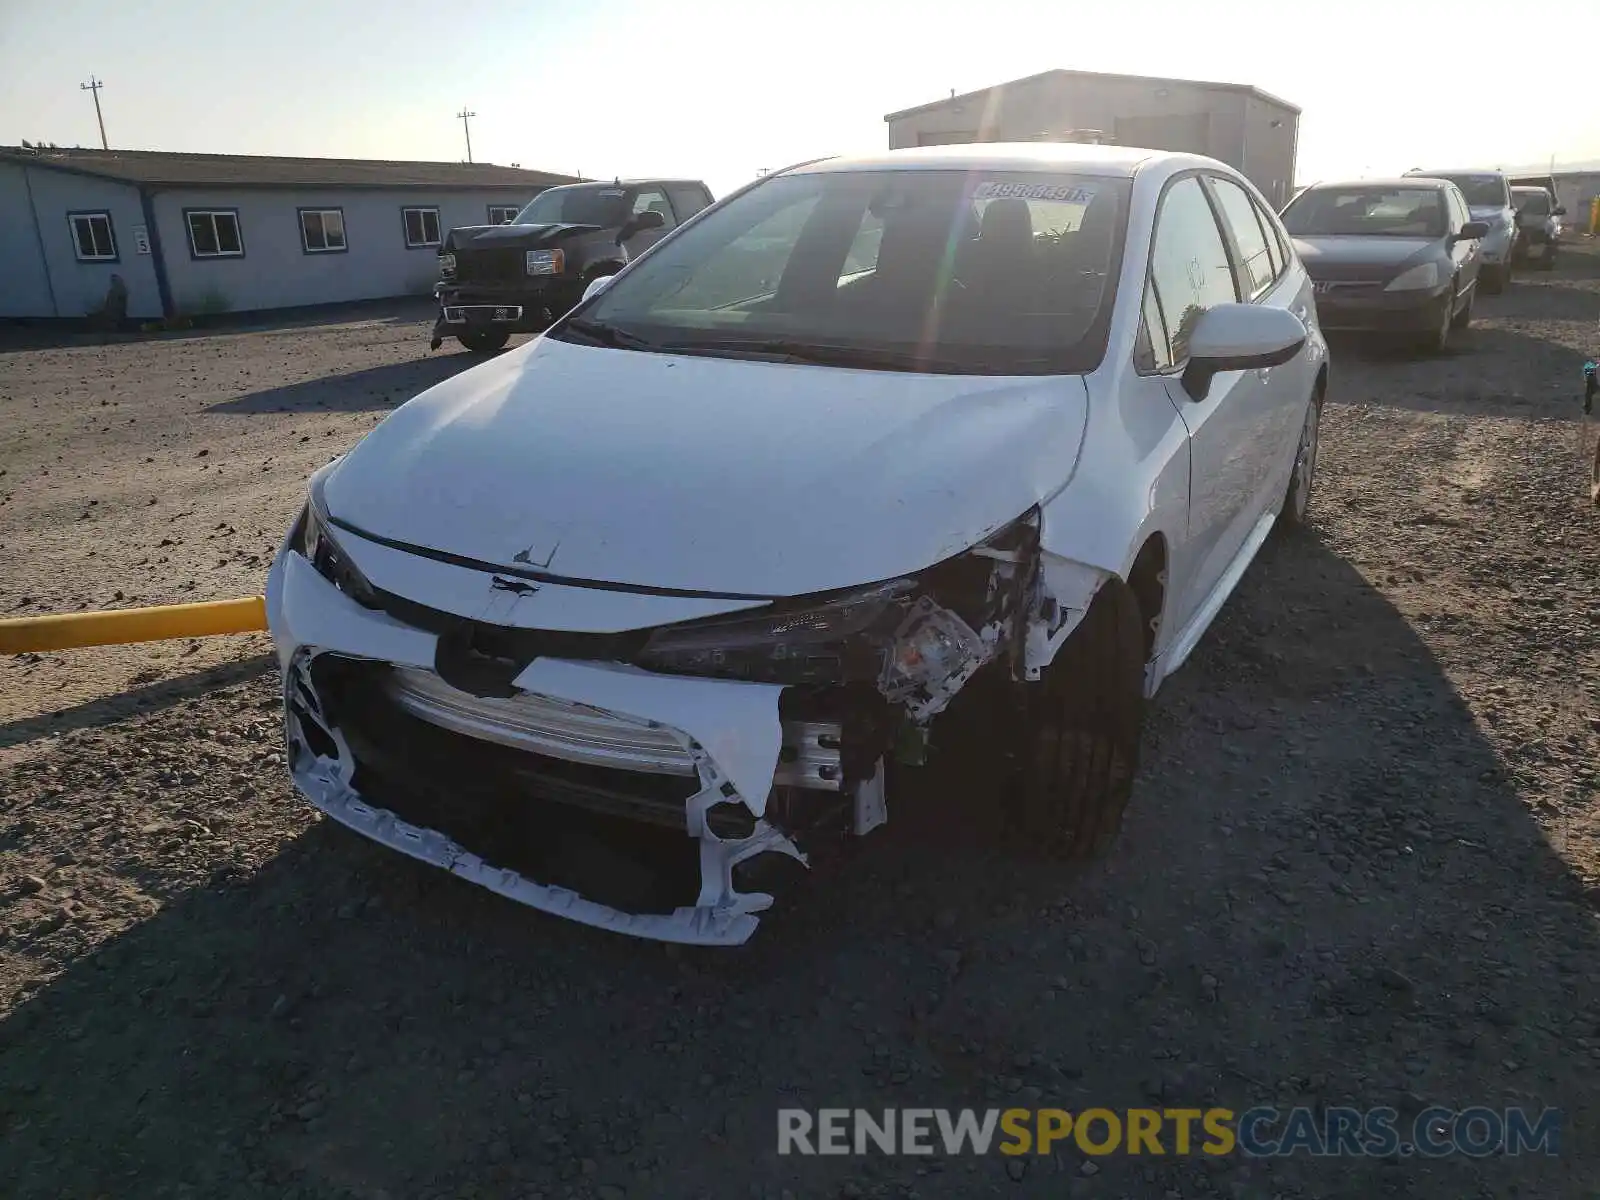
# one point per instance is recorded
(466, 125)
(93, 87)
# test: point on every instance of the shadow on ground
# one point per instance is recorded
(358, 391)
(1327, 893)
(1394, 377)
(106, 710)
(60, 335)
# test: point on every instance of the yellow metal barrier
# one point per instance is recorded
(63, 631)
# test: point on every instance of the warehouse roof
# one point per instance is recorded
(1092, 75)
(158, 168)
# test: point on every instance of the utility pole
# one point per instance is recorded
(93, 87)
(466, 124)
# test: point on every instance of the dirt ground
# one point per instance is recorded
(1362, 866)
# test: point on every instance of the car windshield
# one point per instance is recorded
(1366, 212)
(960, 272)
(586, 204)
(1534, 201)
(1481, 191)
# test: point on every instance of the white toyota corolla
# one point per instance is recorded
(623, 620)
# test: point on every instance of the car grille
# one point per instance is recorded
(1342, 289)
(542, 724)
(491, 266)
(419, 757)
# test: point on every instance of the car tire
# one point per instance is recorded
(1294, 512)
(1493, 279)
(485, 342)
(1437, 340)
(1463, 316)
(1083, 724)
(1548, 262)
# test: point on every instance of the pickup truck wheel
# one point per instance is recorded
(486, 342)
(1083, 722)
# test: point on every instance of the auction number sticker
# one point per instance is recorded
(1064, 193)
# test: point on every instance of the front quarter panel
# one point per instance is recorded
(1132, 477)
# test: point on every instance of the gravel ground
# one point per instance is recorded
(1361, 867)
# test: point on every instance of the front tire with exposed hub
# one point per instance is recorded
(1083, 724)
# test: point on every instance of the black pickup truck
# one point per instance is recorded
(496, 280)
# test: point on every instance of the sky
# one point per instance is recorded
(721, 91)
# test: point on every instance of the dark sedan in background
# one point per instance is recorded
(1389, 256)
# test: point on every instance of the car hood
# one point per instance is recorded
(1333, 254)
(710, 475)
(512, 237)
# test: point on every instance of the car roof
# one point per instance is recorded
(1403, 181)
(1485, 171)
(587, 183)
(1121, 161)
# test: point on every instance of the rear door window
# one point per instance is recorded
(1255, 259)
(687, 199)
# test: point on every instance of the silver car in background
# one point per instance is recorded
(1488, 196)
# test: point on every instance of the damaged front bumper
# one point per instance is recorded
(718, 747)
(512, 755)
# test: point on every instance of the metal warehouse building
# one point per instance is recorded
(224, 232)
(1244, 127)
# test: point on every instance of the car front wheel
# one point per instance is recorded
(486, 342)
(1083, 724)
(1297, 500)
(1437, 339)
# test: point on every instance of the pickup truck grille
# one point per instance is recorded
(491, 266)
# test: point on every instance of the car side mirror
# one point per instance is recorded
(639, 222)
(597, 285)
(1472, 230)
(1239, 337)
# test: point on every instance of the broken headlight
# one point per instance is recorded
(833, 641)
(315, 542)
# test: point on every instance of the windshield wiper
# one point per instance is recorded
(834, 354)
(601, 334)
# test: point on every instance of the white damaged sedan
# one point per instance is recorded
(625, 620)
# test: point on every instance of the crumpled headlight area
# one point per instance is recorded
(315, 542)
(829, 641)
(915, 640)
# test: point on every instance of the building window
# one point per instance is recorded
(422, 227)
(214, 233)
(503, 214)
(322, 230)
(92, 237)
